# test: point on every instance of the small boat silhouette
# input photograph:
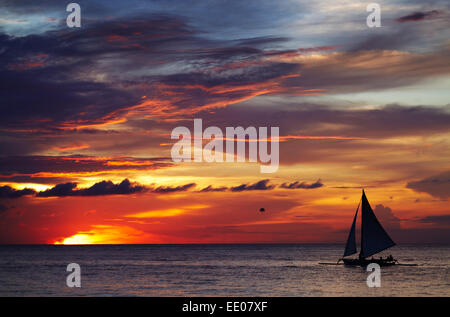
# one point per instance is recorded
(374, 238)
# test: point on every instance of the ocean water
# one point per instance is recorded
(216, 270)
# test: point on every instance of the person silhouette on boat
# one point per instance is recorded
(390, 258)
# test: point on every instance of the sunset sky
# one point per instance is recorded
(87, 115)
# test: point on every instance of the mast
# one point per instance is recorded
(362, 228)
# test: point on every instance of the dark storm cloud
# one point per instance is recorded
(104, 188)
(304, 185)
(210, 188)
(109, 188)
(126, 187)
(60, 190)
(437, 185)
(98, 189)
(261, 185)
(170, 189)
(417, 16)
(9, 192)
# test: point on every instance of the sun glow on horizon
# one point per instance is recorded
(77, 239)
(108, 234)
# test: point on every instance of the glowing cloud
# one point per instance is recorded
(167, 212)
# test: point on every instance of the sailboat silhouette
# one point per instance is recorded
(374, 238)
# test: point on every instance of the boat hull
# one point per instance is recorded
(365, 262)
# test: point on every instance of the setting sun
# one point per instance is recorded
(77, 239)
(109, 234)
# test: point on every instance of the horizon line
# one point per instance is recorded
(239, 243)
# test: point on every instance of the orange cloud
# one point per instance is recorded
(71, 147)
(102, 122)
(167, 212)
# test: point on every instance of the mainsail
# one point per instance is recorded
(350, 247)
(373, 237)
